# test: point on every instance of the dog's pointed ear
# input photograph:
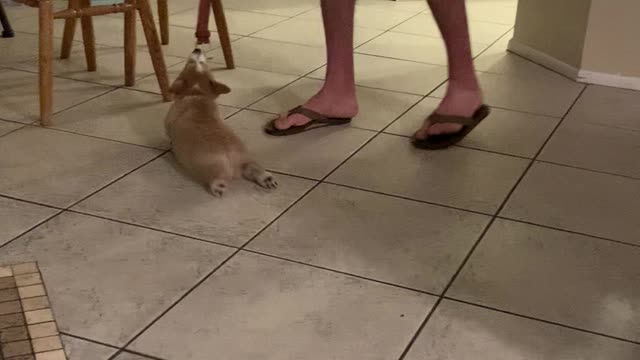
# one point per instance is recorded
(219, 88)
(178, 86)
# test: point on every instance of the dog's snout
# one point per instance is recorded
(197, 51)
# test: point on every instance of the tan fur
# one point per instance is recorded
(201, 142)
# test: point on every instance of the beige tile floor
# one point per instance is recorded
(520, 243)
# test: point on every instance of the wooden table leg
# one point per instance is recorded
(69, 32)
(130, 45)
(88, 38)
(223, 32)
(203, 34)
(163, 19)
(155, 49)
(45, 61)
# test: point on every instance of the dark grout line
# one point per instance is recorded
(88, 340)
(31, 228)
(589, 170)
(63, 210)
(257, 252)
(142, 226)
(568, 231)
(174, 304)
(542, 320)
(484, 232)
(53, 128)
(470, 148)
(31, 202)
(14, 130)
(219, 266)
(142, 355)
(154, 158)
(449, 284)
(353, 187)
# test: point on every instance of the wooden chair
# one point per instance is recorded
(85, 11)
(203, 34)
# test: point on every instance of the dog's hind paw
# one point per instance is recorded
(267, 181)
(218, 188)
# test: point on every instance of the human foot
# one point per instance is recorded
(458, 101)
(329, 104)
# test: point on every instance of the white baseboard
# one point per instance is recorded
(613, 80)
(543, 59)
(579, 75)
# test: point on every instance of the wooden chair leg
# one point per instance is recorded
(155, 49)
(7, 30)
(223, 32)
(69, 32)
(130, 46)
(88, 37)
(45, 61)
(163, 18)
(203, 35)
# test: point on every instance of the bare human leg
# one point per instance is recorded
(463, 95)
(337, 98)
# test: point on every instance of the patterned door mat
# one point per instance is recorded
(28, 330)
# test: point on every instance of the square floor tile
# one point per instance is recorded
(310, 32)
(57, 168)
(125, 115)
(275, 7)
(311, 154)
(17, 217)
(182, 41)
(24, 47)
(498, 59)
(110, 70)
(274, 56)
(108, 280)
(367, 16)
(578, 200)
(601, 132)
(7, 127)
(395, 75)
(494, 11)
(247, 85)
(543, 93)
(286, 310)
(17, 11)
(556, 276)
(418, 48)
(595, 147)
(332, 228)
(130, 356)
(19, 99)
(605, 106)
(504, 131)
(77, 349)
(160, 196)
(459, 331)
(377, 108)
(402, 5)
(464, 178)
(480, 32)
(238, 22)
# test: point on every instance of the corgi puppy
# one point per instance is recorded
(201, 142)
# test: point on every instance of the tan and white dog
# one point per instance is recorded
(201, 142)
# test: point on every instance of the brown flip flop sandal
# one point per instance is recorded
(317, 121)
(442, 141)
